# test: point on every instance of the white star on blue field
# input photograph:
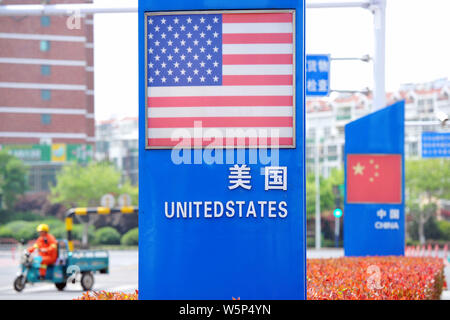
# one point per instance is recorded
(184, 50)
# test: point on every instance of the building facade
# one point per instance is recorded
(46, 89)
(117, 142)
(327, 119)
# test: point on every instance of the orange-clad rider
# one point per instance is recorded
(47, 248)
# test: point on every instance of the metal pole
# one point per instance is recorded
(317, 182)
(364, 58)
(419, 123)
(378, 8)
(90, 8)
(336, 232)
(62, 9)
(327, 5)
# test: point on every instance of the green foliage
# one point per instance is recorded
(26, 230)
(429, 177)
(327, 198)
(77, 231)
(60, 232)
(8, 216)
(79, 186)
(12, 178)
(431, 230)
(5, 232)
(444, 229)
(19, 230)
(426, 181)
(131, 238)
(107, 235)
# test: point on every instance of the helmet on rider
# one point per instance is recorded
(43, 228)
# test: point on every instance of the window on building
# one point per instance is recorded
(332, 150)
(45, 70)
(46, 94)
(45, 21)
(311, 133)
(45, 45)
(46, 118)
(344, 113)
(413, 149)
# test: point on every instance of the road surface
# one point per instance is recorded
(123, 276)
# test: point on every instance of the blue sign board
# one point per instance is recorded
(218, 221)
(374, 220)
(435, 144)
(317, 74)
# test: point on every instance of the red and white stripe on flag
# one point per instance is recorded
(254, 105)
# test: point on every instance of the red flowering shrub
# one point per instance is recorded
(375, 278)
(104, 295)
(368, 278)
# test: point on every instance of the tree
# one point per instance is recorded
(327, 196)
(427, 180)
(83, 186)
(13, 174)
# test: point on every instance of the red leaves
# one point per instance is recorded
(366, 278)
(375, 278)
(104, 295)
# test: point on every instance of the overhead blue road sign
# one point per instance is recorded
(317, 74)
(435, 144)
(221, 151)
(374, 221)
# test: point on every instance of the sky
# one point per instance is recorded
(417, 49)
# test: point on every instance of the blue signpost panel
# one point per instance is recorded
(317, 75)
(374, 218)
(217, 222)
(435, 144)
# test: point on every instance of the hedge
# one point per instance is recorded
(131, 238)
(106, 235)
(9, 216)
(375, 278)
(27, 230)
(19, 230)
(105, 295)
(444, 229)
(364, 278)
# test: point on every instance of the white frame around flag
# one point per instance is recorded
(293, 146)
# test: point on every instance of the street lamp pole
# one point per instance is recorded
(378, 8)
(318, 231)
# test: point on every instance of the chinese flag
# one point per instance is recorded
(374, 178)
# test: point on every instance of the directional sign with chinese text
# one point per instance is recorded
(221, 161)
(435, 144)
(374, 220)
(317, 74)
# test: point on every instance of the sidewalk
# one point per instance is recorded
(324, 253)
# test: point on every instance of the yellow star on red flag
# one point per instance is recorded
(358, 169)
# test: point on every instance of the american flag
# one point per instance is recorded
(223, 72)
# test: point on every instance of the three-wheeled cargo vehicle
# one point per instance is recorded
(69, 266)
